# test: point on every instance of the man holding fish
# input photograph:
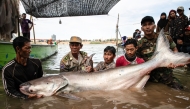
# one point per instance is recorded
(146, 49)
(21, 69)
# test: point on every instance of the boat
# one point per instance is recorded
(41, 52)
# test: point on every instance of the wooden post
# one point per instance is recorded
(18, 26)
(117, 33)
(31, 18)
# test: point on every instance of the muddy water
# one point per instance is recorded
(153, 96)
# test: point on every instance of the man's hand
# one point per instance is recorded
(89, 69)
(179, 42)
(35, 96)
(171, 65)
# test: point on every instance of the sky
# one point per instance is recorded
(104, 26)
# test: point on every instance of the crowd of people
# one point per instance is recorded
(176, 25)
(23, 68)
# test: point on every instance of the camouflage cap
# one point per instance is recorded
(75, 39)
(180, 8)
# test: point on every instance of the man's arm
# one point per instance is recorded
(9, 85)
(175, 49)
(172, 44)
(40, 70)
(157, 29)
(99, 67)
(31, 24)
(166, 29)
(63, 67)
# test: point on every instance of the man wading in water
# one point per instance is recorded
(146, 48)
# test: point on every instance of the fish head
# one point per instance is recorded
(45, 86)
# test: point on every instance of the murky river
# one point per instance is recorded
(153, 96)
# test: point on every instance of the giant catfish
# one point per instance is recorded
(118, 78)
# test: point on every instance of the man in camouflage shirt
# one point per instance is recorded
(147, 46)
(109, 55)
(73, 61)
(181, 22)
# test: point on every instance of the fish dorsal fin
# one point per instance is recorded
(161, 43)
(87, 60)
(162, 40)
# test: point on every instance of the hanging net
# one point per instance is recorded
(63, 8)
(9, 13)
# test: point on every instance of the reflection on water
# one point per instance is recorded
(154, 95)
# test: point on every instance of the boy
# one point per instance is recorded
(109, 55)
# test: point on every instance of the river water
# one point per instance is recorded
(153, 96)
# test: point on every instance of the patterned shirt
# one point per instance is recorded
(170, 28)
(181, 23)
(103, 66)
(69, 63)
(146, 47)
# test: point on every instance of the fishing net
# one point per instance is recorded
(9, 16)
(63, 8)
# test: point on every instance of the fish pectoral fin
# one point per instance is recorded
(142, 82)
(69, 96)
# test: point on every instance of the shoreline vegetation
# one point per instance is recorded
(44, 42)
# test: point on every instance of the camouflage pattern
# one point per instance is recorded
(147, 46)
(103, 66)
(163, 75)
(69, 63)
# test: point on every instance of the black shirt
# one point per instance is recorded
(14, 74)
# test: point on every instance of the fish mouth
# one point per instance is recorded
(24, 88)
(61, 88)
